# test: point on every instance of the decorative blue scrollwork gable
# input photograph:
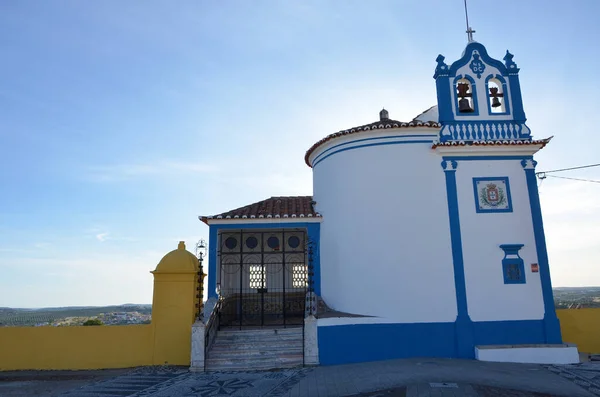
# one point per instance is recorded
(510, 65)
(442, 68)
(479, 98)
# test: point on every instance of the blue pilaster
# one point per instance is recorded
(463, 325)
(516, 99)
(212, 261)
(551, 323)
(442, 84)
(314, 234)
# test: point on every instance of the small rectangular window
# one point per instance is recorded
(513, 272)
(299, 276)
(513, 266)
(258, 278)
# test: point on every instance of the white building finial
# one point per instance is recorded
(469, 30)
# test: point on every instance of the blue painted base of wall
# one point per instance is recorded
(509, 332)
(343, 344)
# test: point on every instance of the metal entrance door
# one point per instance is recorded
(263, 277)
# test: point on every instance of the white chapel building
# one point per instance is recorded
(421, 239)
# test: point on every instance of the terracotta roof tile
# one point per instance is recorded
(378, 125)
(542, 142)
(274, 207)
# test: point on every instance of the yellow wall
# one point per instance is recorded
(167, 340)
(582, 327)
(80, 347)
(174, 308)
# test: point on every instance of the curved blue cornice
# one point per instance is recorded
(466, 58)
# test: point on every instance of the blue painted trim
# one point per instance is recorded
(314, 233)
(313, 230)
(371, 144)
(463, 325)
(512, 250)
(517, 100)
(444, 99)
(551, 323)
(213, 238)
(476, 191)
(316, 159)
(473, 96)
(504, 98)
(478, 158)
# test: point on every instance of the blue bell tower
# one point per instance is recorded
(479, 98)
(499, 248)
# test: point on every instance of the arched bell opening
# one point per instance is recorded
(466, 96)
(496, 95)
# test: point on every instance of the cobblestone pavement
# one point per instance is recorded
(394, 378)
(586, 375)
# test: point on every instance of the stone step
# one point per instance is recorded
(232, 338)
(284, 357)
(270, 333)
(254, 353)
(258, 347)
(260, 337)
(251, 367)
(251, 343)
(254, 364)
(255, 333)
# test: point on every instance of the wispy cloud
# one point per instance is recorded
(164, 168)
(102, 236)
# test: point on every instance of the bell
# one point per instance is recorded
(496, 102)
(464, 106)
(463, 89)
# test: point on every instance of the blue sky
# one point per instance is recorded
(121, 122)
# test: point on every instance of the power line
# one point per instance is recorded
(569, 169)
(573, 179)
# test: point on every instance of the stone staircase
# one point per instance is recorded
(257, 349)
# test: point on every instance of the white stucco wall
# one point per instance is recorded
(385, 241)
(489, 299)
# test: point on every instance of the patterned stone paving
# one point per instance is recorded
(168, 381)
(133, 383)
(164, 382)
(586, 375)
(247, 384)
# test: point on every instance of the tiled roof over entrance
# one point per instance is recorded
(274, 207)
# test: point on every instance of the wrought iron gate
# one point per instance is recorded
(263, 277)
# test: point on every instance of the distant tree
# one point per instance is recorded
(93, 321)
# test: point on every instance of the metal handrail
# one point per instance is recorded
(303, 328)
(212, 326)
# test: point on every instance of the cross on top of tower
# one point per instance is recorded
(469, 31)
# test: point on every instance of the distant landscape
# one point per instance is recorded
(75, 315)
(564, 298)
(576, 297)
